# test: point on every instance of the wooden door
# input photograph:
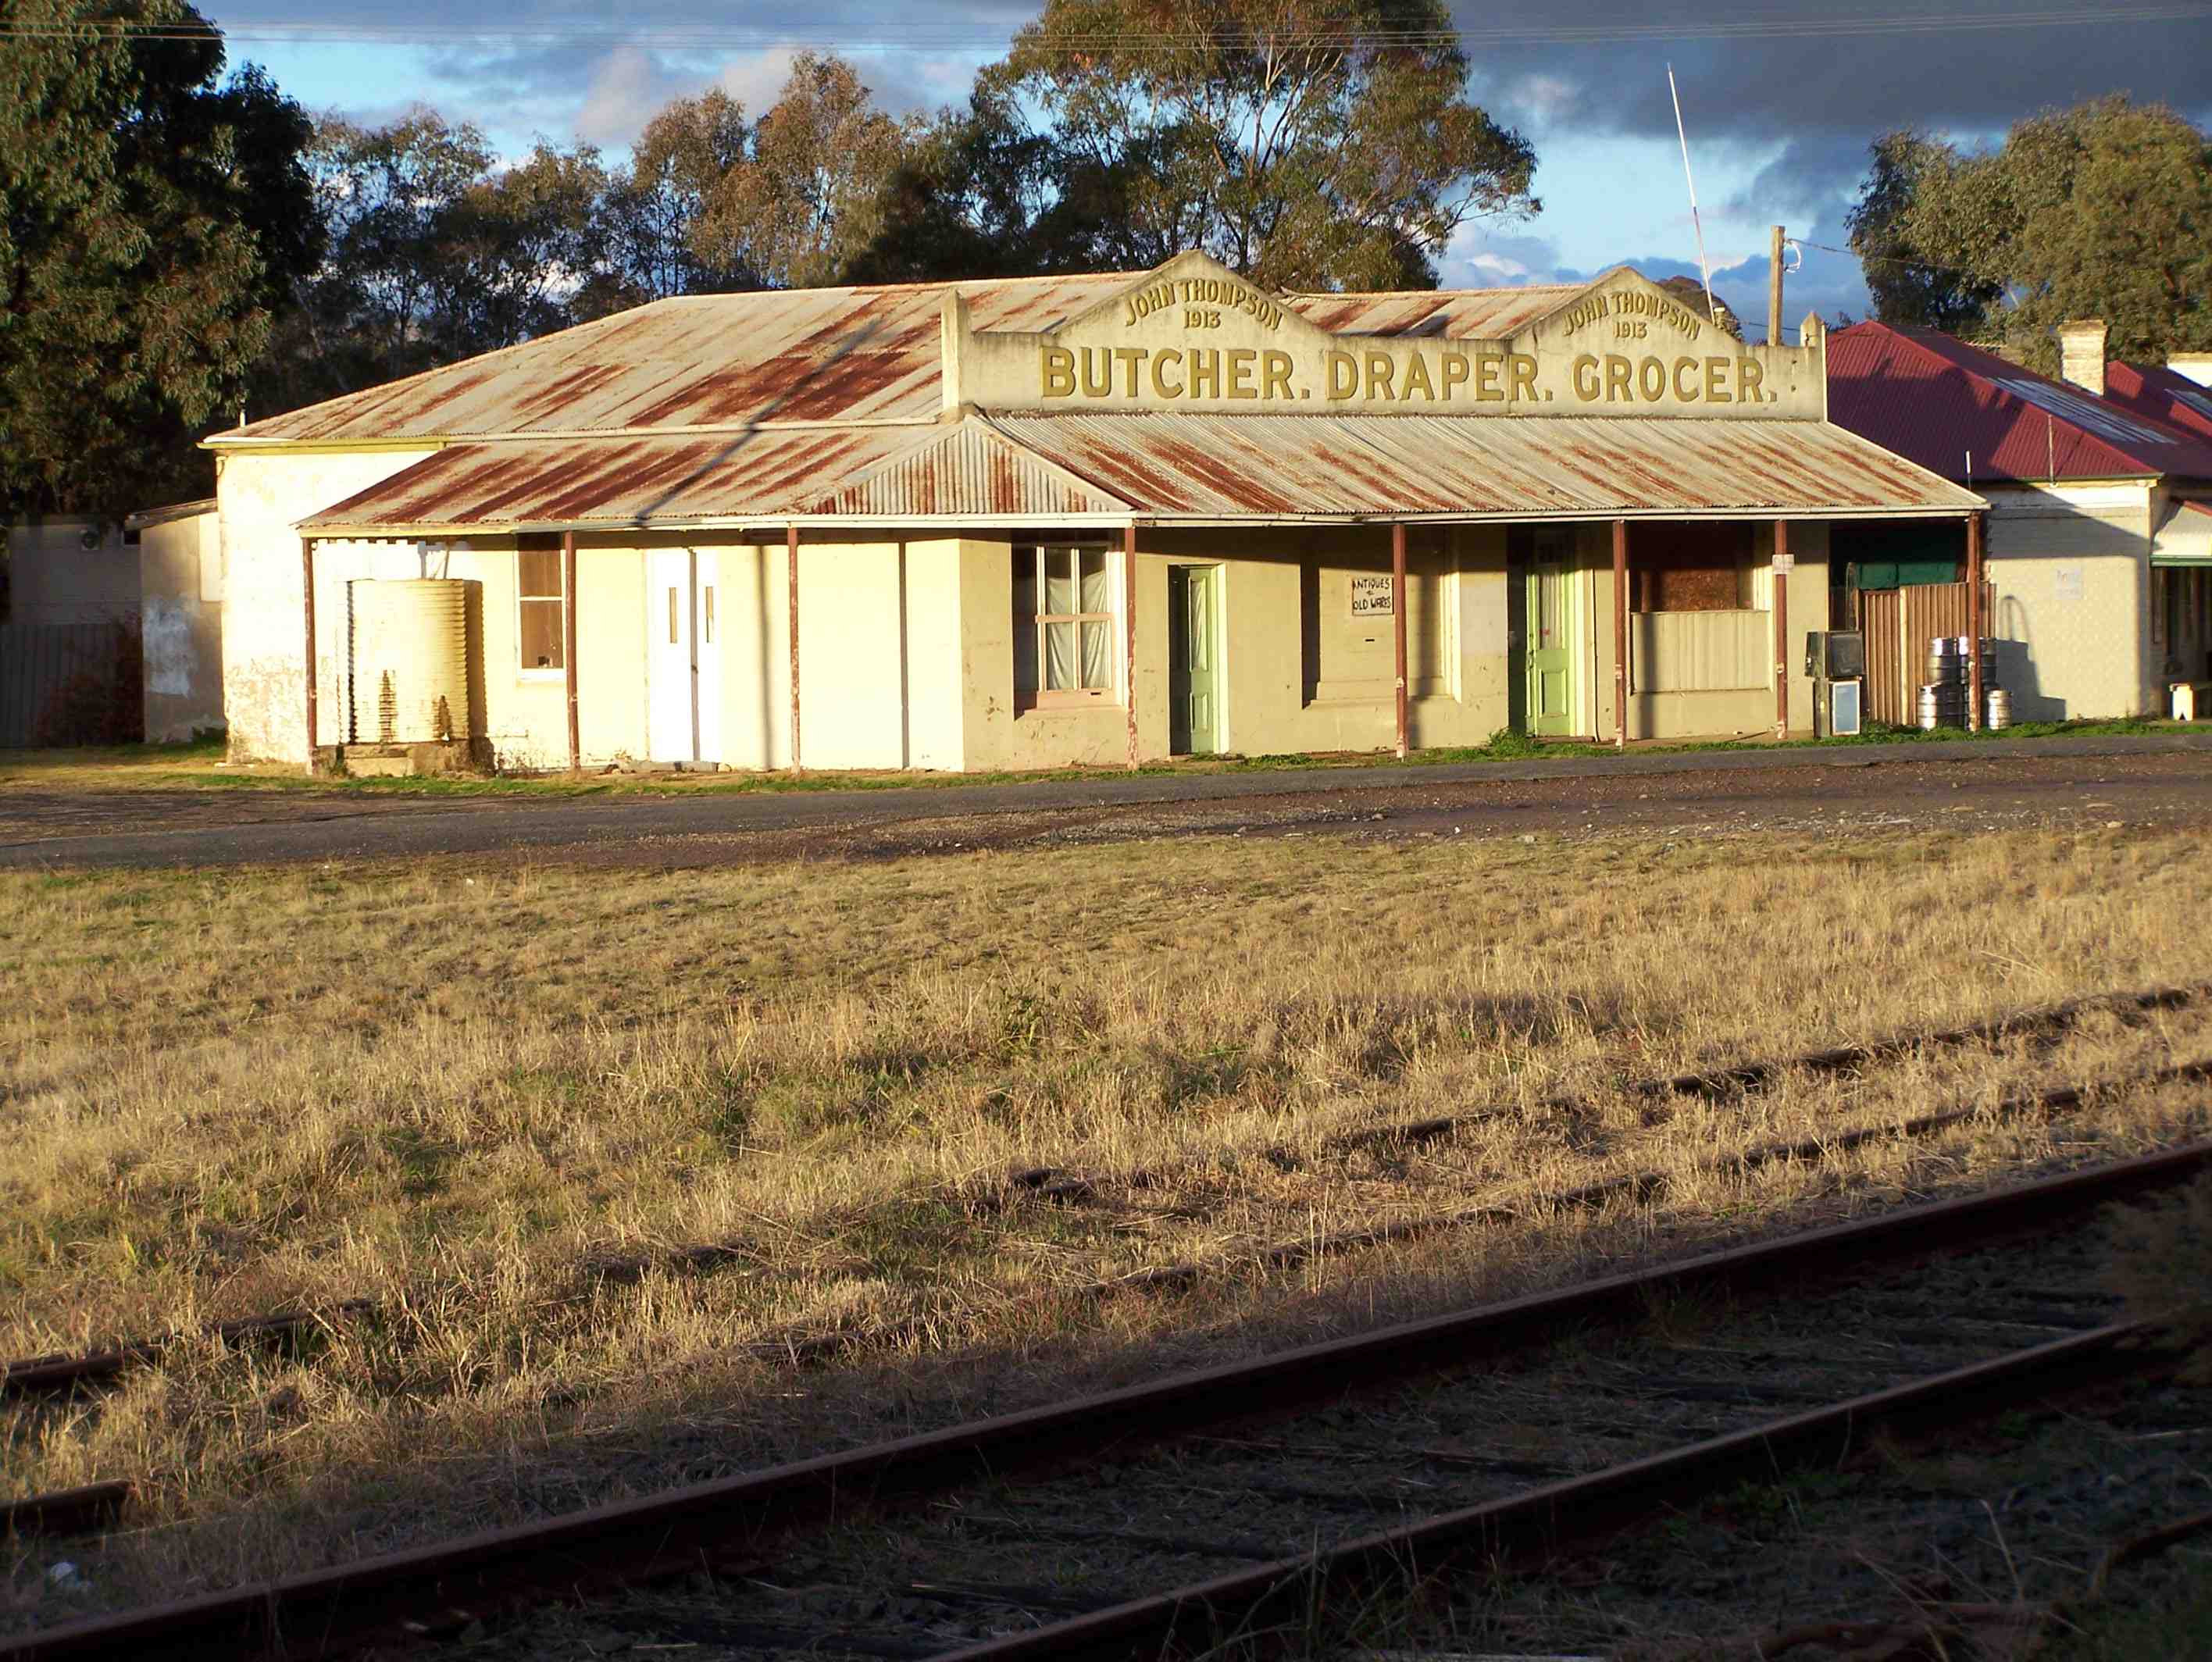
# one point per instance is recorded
(1551, 622)
(1194, 660)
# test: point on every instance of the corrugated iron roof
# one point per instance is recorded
(1200, 467)
(961, 474)
(1266, 467)
(851, 354)
(801, 355)
(2166, 396)
(1455, 314)
(1934, 399)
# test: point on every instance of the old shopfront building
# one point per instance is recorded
(1034, 523)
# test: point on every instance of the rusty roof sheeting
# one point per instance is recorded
(608, 484)
(1263, 467)
(1454, 314)
(1059, 468)
(799, 355)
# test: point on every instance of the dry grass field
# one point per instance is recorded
(505, 1103)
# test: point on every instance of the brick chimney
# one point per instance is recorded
(2081, 354)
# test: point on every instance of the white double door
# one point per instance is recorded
(683, 656)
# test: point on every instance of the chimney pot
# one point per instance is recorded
(2081, 354)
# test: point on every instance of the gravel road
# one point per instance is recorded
(1958, 787)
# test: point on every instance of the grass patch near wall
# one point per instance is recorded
(597, 1143)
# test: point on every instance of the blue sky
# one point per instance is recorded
(1780, 99)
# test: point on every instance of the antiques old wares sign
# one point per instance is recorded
(1370, 594)
(1194, 338)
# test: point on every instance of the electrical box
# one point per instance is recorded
(1834, 654)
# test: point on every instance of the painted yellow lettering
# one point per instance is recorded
(1585, 374)
(1101, 360)
(1456, 369)
(1717, 391)
(1617, 370)
(1274, 373)
(1205, 373)
(1131, 359)
(1488, 370)
(1686, 390)
(1058, 369)
(1241, 359)
(1343, 374)
(1379, 373)
(1416, 376)
(1525, 375)
(1750, 376)
(1161, 361)
(1651, 379)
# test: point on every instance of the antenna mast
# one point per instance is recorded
(1704, 269)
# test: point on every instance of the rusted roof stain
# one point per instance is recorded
(1456, 314)
(615, 483)
(802, 355)
(1202, 466)
(1176, 466)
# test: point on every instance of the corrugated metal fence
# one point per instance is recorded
(1898, 623)
(69, 684)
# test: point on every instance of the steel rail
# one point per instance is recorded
(402, 1594)
(1524, 1530)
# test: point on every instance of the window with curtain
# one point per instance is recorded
(1063, 625)
(540, 625)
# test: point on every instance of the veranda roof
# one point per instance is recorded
(1166, 467)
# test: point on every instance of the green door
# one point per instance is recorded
(1551, 649)
(1194, 660)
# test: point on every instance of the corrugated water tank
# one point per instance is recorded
(411, 660)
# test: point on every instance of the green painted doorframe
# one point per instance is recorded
(1194, 724)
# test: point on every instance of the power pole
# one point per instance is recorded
(1774, 289)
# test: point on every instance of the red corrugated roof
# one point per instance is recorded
(1934, 399)
(2164, 395)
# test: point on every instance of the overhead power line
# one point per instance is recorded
(1885, 259)
(918, 37)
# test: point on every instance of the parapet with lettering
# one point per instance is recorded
(1192, 336)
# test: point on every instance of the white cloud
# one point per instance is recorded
(627, 90)
(755, 80)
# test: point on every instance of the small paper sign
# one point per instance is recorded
(1371, 596)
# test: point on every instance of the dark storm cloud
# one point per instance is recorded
(1958, 80)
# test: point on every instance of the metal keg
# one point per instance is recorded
(1997, 708)
(1942, 704)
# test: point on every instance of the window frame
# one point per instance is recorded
(558, 670)
(1041, 697)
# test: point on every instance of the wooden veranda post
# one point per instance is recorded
(1782, 566)
(1398, 624)
(1975, 622)
(791, 545)
(1620, 634)
(1129, 632)
(307, 592)
(568, 648)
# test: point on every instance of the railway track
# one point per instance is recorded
(1497, 1431)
